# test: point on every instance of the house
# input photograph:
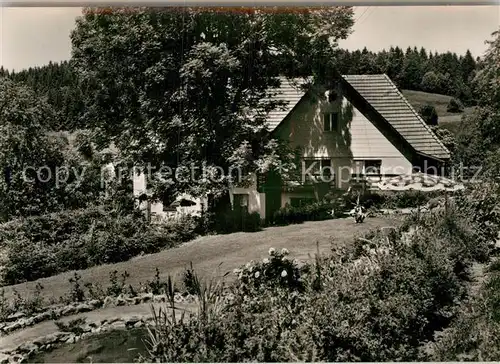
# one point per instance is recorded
(357, 129)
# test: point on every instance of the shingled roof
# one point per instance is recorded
(381, 93)
(290, 92)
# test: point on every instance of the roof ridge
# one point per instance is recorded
(427, 127)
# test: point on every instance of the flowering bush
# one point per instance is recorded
(275, 271)
(379, 299)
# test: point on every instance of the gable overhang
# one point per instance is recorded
(387, 130)
(294, 108)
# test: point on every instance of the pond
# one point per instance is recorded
(119, 346)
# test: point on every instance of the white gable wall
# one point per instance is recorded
(357, 138)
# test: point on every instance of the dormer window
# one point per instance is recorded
(332, 96)
(330, 121)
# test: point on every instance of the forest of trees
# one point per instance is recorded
(413, 69)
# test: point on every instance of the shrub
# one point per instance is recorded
(234, 220)
(277, 270)
(377, 300)
(429, 114)
(475, 334)
(409, 199)
(45, 245)
(455, 106)
(316, 211)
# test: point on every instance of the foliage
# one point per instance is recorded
(420, 70)
(26, 151)
(77, 294)
(479, 143)
(474, 335)
(378, 300)
(316, 211)
(58, 83)
(455, 106)
(429, 114)
(189, 77)
(276, 271)
(234, 221)
(446, 137)
(49, 244)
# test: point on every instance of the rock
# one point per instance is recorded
(16, 316)
(27, 347)
(42, 317)
(68, 310)
(117, 325)
(139, 324)
(45, 340)
(406, 211)
(108, 302)
(147, 297)
(71, 339)
(120, 301)
(137, 300)
(83, 307)
(16, 358)
(113, 320)
(12, 327)
(132, 320)
(4, 358)
(95, 304)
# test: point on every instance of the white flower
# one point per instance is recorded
(284, 273)
(272, 251)
(265, 261)
(284, 251)
(257, 274)
(248, 265)
(236, 271)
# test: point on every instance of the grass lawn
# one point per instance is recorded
(447, 120)
(230, 251)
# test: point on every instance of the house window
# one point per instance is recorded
(330, 121)
(367, 167)
(373, 166)
(332, 96)
(240, 201)
(301, 201)
(318, 170)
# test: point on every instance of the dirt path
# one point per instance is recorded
(45, 328)
(207, 253)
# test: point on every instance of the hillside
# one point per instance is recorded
(450, 121)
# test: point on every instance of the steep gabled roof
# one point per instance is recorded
(383, 96)
(290, 92)
(380, 92)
